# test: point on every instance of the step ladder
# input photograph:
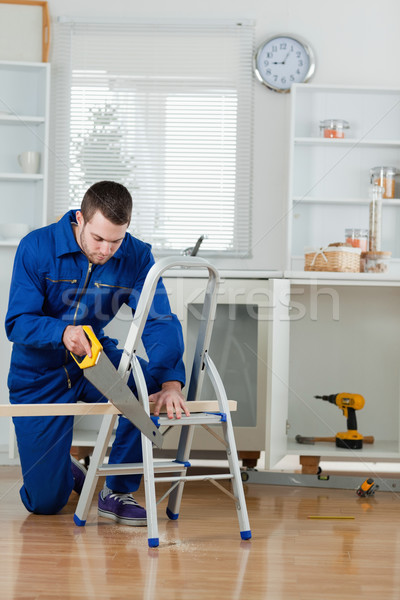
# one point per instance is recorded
(175, 471)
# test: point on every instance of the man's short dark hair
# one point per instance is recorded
(112, 199)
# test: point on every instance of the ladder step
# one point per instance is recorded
(196, 419)
(170, 466)
(194, 477)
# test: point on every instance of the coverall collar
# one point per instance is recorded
(65, 239)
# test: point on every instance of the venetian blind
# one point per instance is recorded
(165, 109)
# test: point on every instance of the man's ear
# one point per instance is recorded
(79, 218)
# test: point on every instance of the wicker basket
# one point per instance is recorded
(333, 258)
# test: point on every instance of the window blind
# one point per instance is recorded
(165, 109)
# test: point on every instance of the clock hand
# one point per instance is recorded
(283, 62)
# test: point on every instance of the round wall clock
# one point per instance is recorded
(283, 60)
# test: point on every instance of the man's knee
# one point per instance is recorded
(44, 502)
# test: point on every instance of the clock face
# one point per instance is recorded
(282, 61)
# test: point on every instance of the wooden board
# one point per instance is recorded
(83, 408)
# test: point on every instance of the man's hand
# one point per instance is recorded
(172, 398)
(75, 340)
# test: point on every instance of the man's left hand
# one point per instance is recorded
(172, 398)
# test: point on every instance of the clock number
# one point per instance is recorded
(298, 53)
(300, 63)
(292, 78)
(269, 55)
(283, 79)
(283, 46)
(274, 48)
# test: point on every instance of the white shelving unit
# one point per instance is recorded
(24, 125)
(329, 178)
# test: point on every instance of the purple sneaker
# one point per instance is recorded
(122, 508)
(79, 473)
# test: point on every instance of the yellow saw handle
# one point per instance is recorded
(89, 361)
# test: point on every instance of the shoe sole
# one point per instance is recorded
(114, 517)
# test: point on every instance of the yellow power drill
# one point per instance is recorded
(348, 403)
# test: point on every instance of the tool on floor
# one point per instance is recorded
(348, 403)
(100, 371)
(367, 488)
(301, 439)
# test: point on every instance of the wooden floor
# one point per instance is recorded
(201, 555)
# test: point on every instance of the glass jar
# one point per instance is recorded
(333, 128)
(358, 238)
(375, 217)
(377, 262)
(385, 177)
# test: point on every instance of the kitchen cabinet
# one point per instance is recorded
(344, 336)
(329, 178)
(243, 334)
(24, 120)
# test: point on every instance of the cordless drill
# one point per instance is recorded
(348, 403)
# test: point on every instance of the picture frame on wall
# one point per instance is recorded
(24, 30)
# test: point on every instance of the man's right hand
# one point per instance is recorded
(75, 340)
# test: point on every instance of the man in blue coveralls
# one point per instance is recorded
(79, 271)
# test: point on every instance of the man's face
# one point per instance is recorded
(98, 238)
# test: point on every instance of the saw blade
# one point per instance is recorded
(105, 378)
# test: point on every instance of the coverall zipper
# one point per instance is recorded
(62, 280)
(69, 384)
(83, 290)
(108, 285)
(76, 312)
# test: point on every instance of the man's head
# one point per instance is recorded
(103, 220)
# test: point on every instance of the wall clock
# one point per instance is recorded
(283, 60)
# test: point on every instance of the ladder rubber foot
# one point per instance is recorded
(171, 515)
(153, 542)
(79, 522)
(245, 535)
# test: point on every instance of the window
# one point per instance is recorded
(166, 109)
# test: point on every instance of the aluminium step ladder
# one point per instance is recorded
(176, 470)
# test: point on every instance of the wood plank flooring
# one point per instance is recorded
(201, 554)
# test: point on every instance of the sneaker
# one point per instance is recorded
(122, 508)
(79, 473)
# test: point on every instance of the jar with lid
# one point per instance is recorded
(375, 217)
(385, 177)
(377, 262)
(358, 238)
(333, 128)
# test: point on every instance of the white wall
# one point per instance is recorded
(355, 43)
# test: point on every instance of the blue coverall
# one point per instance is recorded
(54, 285)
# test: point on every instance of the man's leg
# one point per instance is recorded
(44, 444)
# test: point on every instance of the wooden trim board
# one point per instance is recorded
(83, 408)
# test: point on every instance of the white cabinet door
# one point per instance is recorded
(239, 348)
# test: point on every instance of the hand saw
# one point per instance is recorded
(99, 370)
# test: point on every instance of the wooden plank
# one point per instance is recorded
(104, 408)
